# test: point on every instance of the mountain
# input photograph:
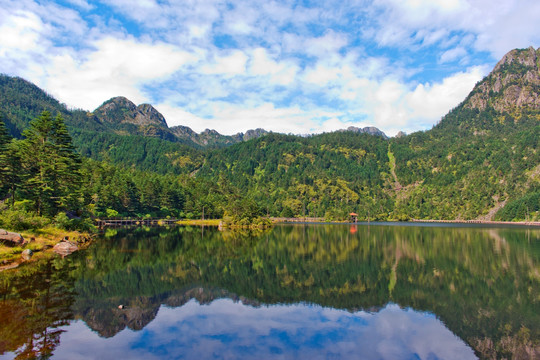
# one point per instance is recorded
(513, 84)
(120, 110)
(482, 158)
(21, 101)
(371, 130)
(481, 161)
(127, 118)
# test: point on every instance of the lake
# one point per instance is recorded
(377, 291)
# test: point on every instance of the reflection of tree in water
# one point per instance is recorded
(35, 302)
(483, 284)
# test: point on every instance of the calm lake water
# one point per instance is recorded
(382, 291)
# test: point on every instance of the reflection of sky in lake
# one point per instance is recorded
(228, 330)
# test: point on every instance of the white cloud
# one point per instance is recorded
(235, 330)
(21, 32)
(432, 101)
(116, 67)
(285, 67)
(234, 63)
(280, 73)
(497, 29)
(82, 4)
(452, 54)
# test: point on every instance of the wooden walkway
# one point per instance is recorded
(135, 222)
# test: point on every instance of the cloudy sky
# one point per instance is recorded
(224, 329)
(293, 66)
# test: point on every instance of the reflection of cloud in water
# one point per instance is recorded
(228, 330)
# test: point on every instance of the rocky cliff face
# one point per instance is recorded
(253, 134)
(121, 110)
(213, 138)
(514, 83)
(371, 130)
(124, 116)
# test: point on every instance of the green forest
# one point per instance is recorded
(69, 166)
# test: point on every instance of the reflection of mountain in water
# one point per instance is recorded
(484, 284)
(108, 318)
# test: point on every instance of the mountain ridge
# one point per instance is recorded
(479, 161)
(120, 115)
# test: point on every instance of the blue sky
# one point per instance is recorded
(225, 329)
(288, 66)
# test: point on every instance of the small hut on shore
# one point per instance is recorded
(353, 217)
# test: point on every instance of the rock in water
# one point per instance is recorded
(65, 248)
(11, 238)
(27, 254)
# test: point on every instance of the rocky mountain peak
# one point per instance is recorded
(147, 113)
(371, 130)
(514, 83)
(121, 110)
(527, 57)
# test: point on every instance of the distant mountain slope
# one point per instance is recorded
(483, 155)
(475, 164)
(482, 161)
(120, 110)
(126, 118)
(22, 101)
(371, 130)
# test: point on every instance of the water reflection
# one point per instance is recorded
(482, 284)
(225, 329)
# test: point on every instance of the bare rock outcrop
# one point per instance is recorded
(11, 238)
(65, 248)
(514, 83)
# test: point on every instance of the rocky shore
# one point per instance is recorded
(18, 248)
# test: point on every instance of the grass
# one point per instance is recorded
(198, 222)
(42, 240)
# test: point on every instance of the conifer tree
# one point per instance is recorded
(51, 164)
(5, 139)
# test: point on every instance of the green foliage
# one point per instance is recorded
(50, 164)
(5, 140)
(20, 220)
(63, 221)
(524, 208)
(470, 163)
(111, 213)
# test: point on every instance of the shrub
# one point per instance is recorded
(20, 220)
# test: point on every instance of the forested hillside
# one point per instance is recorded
(480, 162)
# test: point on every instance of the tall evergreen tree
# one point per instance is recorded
(51, 164)
(5, 139)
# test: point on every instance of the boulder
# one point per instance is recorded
(65, 248)
(27, 254)
(11, 238)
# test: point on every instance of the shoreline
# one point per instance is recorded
(308, 220)
(41, 242)
(481, 222)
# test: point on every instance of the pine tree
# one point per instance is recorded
(5, 141)
(51, 164)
